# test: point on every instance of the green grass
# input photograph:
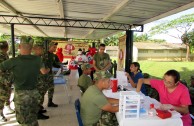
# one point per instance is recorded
(157, 69)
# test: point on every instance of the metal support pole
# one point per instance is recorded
(12, 40)
(129, 50)
(93, 44)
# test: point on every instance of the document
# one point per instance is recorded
(122, 78)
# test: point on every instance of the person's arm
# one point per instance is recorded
(94, 65)
(110, 108)
(183, 109)
(139, 84)
(146, 81)
(113, 101)
(130, 80)
(107, 66)
(44, 70)
(56, 62)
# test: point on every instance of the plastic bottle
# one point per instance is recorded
(152, 111)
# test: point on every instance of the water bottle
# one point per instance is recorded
(152, 111)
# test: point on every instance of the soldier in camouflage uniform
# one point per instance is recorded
(101, 60)
(25, 70)
(5, 85)
(52, 61)
(42, 85)
(99, 110)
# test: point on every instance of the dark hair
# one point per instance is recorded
(56, 43)
(3, 45)
(175, 74)
(102, 45)
(136, 64)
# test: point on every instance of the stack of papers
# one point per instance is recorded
(122, 78)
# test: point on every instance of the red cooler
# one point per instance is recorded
(114, 82)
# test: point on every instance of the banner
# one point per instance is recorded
(121, 53)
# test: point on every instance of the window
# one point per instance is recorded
(173, 51)
(158, 51)
(143, 51)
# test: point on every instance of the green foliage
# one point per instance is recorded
(146, 38)
(113, 40)
(181, 24)
(5, 37)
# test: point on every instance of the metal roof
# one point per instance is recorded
(119, 11)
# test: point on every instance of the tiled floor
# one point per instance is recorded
(64, 115)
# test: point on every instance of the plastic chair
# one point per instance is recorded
(60, 79)
(77, 108)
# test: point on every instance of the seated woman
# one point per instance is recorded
(136, 78)
(93, 102)
(173, 94)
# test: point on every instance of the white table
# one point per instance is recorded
(146, 120)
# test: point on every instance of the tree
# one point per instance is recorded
(146, 38)
(182, 25)
(113, 40)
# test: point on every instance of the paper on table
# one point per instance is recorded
(122, 78)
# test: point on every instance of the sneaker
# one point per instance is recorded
(7, 110)
(42, 116)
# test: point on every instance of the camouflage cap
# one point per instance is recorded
(3, 45)
(101, 74)
(86, 66)
(26, 40)
(38, 43)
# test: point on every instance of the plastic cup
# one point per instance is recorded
(114, 82)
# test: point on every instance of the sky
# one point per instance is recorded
(163, 36)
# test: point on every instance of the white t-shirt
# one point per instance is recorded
(81, 58)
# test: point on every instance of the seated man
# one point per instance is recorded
(84, 80)
(93, 101)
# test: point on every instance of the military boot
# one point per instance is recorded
(42, 116)
(2, 117)
(42, 110)
(7, 110)
(51, 104)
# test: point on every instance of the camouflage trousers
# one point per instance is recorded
(26, 107)
(153, 93)
(107, 119)
(50, 87)
(42, 88)
(5, 93)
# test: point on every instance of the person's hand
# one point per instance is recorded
(127, 74)
(166, 107)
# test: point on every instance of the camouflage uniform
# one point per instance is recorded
(25, 72)
(107, 118)
(5, 85)
(51, 61)
(42, 86)
(27, 100)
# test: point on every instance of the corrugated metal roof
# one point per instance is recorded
(121, 11)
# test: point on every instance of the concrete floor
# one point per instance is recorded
(64, 115)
